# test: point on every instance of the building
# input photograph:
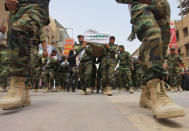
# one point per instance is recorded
(182, 34)
(4, 15)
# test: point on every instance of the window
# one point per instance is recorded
(185, 31)
(177, 35)
(187, 50)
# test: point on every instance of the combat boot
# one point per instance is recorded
(180, 88)
(84, 93)
(35, 90)
(131, 90)
(27, 101)
(162, 106)
(109, 91)
(89, 90)
(104, 91)
(16, 95)
(174, 89)
(58, 89)
(3, 89)
(145, 100)
(45, 90)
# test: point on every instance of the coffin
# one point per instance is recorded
(97, 49)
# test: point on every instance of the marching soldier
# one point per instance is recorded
(173, 62)
(125, 69)
(145, 20)
(108, 67)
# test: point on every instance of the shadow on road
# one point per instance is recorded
(10, 112)
(169, 123)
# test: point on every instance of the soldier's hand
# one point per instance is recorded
(12, 5)
(132, 68)
(2, 29)
(45, 54)
(107, 46)
(84, 44)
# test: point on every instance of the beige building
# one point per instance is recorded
(182, 33)
(3, 14)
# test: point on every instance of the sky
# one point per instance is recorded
(100, 15)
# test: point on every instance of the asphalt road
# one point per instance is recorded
(74, 112)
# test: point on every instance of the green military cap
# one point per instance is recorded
(112, 37)
(124, 1)
(173, 49)
(121, 46)
(79, 36)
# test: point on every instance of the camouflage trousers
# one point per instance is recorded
(151, 50)
(108, 72)
(72, 78)
(3, 81)
(48, 77)
(61, 79)
(36, 77)
(172, 79)
(23, 26)
(33, 54)
(85, 74)
(125, 77)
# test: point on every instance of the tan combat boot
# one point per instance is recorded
(131, 90)
(45, 90)
(27, 101)
(3, 89)
(109, 91)
(35, 90)
(58, 89)
(145, 100)
(104, 91)
(174, 89)
(162, 106)
(180, 88)
(16, 95)
(84, 93)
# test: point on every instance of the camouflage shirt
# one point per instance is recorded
(124, 59)
(173, 61)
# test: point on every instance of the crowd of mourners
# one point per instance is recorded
(81, 70)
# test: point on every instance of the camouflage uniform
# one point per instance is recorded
(49, 72)
(4, 65)
(108, 65)
(173, 61)
(125, 73)
(137, 74)
(34, 59)
(38, 69)
(24, 24)
(149, 32)
(85, 66)
(61, 75)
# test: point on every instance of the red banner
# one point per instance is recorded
(173, 40)
(69, 43)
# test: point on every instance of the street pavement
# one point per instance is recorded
(74, 112)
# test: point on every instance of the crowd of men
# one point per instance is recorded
(114, 69)
(151, 25)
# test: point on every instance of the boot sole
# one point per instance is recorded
(170, 115)
(10, 106)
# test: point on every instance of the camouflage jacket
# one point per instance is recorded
(173, 61)
(124, 60)
(62, 68)
(87, 54)
(51, 64)
(111, 52)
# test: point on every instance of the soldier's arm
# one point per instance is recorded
(130, 61)
(181, 62)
